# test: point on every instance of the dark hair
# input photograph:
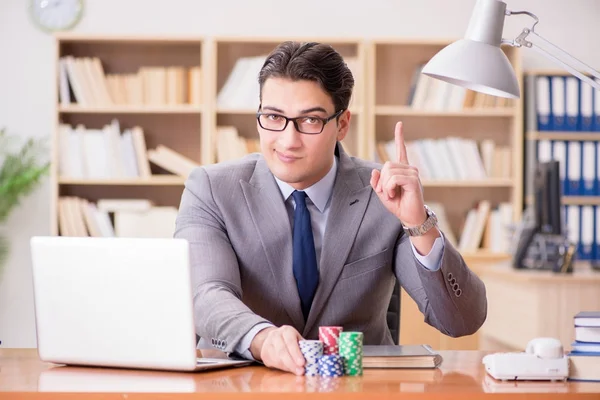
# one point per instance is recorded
(312, 61)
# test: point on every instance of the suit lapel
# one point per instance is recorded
(348, 204)
(271, 219)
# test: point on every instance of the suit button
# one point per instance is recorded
(455, 287)
(458, 292)
(450, 276)
(453, 281)
(212, 341)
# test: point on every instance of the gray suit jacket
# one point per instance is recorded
(235, 220)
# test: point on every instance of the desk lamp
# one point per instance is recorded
(476, 62)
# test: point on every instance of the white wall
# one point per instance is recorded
(26, 74)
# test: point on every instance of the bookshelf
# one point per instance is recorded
(118, 84)
(562, 123)
(218, 125)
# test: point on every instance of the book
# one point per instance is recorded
(588, 334)
(584, 347)
(584, 366)
(587, 318)
(401, 356)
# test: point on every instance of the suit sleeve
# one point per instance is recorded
(220, 315)
(452, 298)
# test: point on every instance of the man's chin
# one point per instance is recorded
(288, 177)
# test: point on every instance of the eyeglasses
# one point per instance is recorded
(307, 125)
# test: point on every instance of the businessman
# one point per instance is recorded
(303, 235)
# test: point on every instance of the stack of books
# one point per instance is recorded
(584, 357)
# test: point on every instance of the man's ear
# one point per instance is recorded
(343, 125)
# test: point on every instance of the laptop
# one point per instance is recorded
(116, 302)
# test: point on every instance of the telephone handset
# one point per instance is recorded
(543, 359)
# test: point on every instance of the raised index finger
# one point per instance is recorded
(400, 146)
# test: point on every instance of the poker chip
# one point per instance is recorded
(329, 335)
(331, 365)
(351, 351)
(312, 350)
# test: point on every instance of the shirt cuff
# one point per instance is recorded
(243, 346)
(432, 260)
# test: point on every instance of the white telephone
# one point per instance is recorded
(543, 359)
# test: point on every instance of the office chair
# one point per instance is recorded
(393, 313)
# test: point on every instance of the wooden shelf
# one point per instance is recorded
(550, 135)
(547, 72)
(573, 200)
(409, 111)
(581, 200)
(469, 183)
(155, 180)
(485, 256)
(104, 38)
(119, 109)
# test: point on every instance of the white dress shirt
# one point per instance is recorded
(318, 203)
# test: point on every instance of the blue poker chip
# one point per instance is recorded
(312, 350)
(331, 365)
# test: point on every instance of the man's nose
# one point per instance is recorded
(290, 137)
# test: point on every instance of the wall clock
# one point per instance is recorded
(56, 15)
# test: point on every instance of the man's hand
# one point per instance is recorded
(399, 188)
(278, 348)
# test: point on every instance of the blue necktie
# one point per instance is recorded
(305, 258)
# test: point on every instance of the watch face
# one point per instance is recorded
(56, 15)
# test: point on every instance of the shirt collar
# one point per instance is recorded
(318, 193)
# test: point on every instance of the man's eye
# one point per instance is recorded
(310, 120)
(274, 117)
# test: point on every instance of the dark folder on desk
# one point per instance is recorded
(403, 356)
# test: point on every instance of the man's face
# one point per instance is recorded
(297, 158)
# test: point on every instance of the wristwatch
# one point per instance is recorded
(422, 229)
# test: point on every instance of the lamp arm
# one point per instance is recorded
(564, 59)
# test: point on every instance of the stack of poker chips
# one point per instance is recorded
(351, 350)
(330, 335)
(335, 354)
(331, 365)
(312, 350)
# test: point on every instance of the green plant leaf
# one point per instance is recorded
(21, 170)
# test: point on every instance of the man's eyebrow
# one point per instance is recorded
(312, 109)
(305, 111)
(279, 110)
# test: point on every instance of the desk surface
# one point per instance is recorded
(460, 376)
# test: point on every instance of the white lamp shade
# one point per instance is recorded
(478, 66)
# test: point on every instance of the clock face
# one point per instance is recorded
(56, 15)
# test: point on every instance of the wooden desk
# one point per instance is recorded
(525, 304)
(461, 376)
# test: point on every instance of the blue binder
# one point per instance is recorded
(543, 103)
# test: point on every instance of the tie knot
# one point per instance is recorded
(299, 198)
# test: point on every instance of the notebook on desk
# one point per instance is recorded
(403, 356)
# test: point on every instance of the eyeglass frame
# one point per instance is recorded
(294, 120)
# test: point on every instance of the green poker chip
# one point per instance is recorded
(351, 350)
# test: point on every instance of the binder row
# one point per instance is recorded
(583, 228)
(566, 103)
(579, 164)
